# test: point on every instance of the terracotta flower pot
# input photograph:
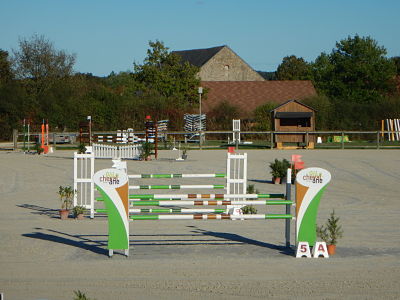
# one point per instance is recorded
(80, 217)
(331, 249)
(277, 180)
(64, 213)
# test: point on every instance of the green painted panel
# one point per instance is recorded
(307, 228)
(117, 235)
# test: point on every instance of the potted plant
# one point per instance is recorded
(279, 169)
(330, 232)
(185, 148)
(66, 194)
(80, 296)
(78, 212)
(146, 150)
(81, 148)
(39, 149)
(250, 209)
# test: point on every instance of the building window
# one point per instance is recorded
(300, 122)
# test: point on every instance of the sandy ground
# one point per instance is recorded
(42, 257)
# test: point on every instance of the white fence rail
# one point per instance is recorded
(122, 152)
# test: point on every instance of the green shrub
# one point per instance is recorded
(146, 150)
(279, 168)
(80, 296)
(331, 231)
(250, 209)
(77, 210)
(81, 148)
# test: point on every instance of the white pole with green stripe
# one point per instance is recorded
(178, 175)
(176, 186)
(113, 186)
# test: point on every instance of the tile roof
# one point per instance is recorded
(198, 57)
(289, 101)
(248, 95)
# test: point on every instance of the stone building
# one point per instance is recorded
(220, 64)
(228, 78)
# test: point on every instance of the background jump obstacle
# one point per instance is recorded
(194, 124)
(235, 180)
(392, 128)
(131, 151)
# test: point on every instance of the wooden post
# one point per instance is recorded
(156, 139)
(15, 139)
(377, 140)
(307, 139)
(342, 139)
(272, 139)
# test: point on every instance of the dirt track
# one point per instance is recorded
(42, 257)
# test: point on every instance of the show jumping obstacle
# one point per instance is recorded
(131, 151)
(235, 179)
(120, 207)
(392, 127)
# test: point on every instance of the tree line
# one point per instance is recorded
(356, 86)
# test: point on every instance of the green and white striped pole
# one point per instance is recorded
(176, 186)
(214, 175)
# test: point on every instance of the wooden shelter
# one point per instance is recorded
(297, 118)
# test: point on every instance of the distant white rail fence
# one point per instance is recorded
(111, 151)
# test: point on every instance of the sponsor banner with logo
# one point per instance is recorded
(310, 185)
(113, 186)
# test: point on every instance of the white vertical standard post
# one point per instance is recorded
(236, 132)
(236, 180)
(75, 178)
(396, 127)
(83, 183)
(200, 91)
(387, 128)
(288, 206)
(91, 185)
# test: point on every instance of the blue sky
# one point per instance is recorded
(110, 35)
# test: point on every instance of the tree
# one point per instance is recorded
(262, 116)
(293, 68)
(5, 67)
(164, 73)
(396, 61)
(221, 116)
(325, 113)
(357, 70)
(39, 63)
